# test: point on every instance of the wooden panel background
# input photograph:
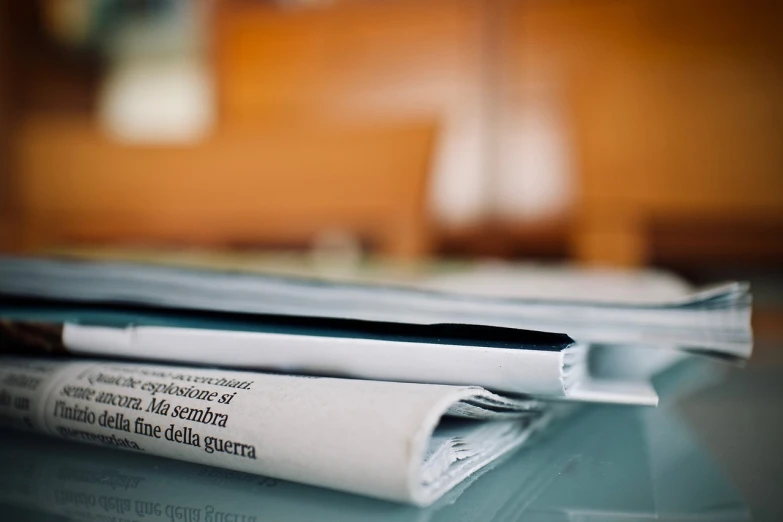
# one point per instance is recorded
(348, 59)
(250, 185)
(673, 108)
(6, 102)
(676, 111)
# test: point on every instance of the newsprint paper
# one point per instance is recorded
(404, 442)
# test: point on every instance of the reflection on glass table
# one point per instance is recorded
(616, 463)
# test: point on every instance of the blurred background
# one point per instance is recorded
(619, 133)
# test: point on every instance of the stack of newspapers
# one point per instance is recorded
(396, 392)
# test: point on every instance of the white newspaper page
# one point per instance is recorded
(397, 441)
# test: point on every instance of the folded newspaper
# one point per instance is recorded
(713, 319)
(384, 391)
(505, 360)
(659, 471)
(397, 441)
(251, 321)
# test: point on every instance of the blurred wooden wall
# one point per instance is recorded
(348, 59)
(274, 185)
(276, 171)
(676, 112)
(6, 97)
(671, 113)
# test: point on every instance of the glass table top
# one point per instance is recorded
(710, 451)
